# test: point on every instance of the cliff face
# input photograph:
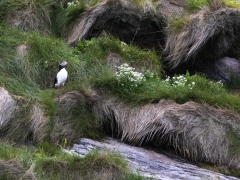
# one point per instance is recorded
(199, 41)
(197, 131)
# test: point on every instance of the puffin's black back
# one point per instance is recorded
(59, 67)
(55, 80)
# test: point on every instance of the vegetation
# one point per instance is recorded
(146, 5)
(193, 5)
(30, 54)
(176, 24)
(232, 3)
(49, 162)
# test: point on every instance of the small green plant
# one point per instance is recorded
(193, 5)
(128, 78)
(176, 24)
(179, 81)
(146, 5)
(232, 3)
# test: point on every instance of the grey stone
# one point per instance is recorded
(149, 163)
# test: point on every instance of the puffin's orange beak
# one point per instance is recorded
(68, 64)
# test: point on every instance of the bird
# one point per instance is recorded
(61, 76)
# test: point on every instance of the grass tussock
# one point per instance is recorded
(197, 131)
(27, 15)
(232, 3)
(176, 24)
(193, 5)
(197, 45)
(145, 5)
(40, 163)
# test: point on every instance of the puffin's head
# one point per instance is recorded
(64, 64)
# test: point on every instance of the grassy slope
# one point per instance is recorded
(30, 77)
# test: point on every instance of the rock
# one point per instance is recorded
(147, 162)
(7, 106)
(225, 69)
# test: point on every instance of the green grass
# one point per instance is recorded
(30, 79)
(193, 5)
(176, 24)
(232, 3)
(51, 164)
(33, 15)
(154, 90)
(129, 53)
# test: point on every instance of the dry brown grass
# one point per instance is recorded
(39, 123)
(29, 15)
(107, 11)
(12, 169)
(210, 34)
(198, 132)
(63, 128)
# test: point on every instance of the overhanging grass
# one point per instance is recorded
(31, 15)
(58, 165)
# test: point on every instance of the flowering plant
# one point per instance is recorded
(128, 78)
(179, 81)
(73, 3)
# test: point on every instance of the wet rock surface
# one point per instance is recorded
(149, 163)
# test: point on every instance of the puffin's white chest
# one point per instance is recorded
(61, 77)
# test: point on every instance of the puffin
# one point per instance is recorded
(61, 76)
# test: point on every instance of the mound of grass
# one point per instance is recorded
(48, 163)
(195, 88)
(28, 74)
(96, 70)
(176, 24)
(29, 15)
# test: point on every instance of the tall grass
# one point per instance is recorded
(94, 65)
(30, 77)
(31, 15)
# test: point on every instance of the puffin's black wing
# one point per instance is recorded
(55, 81)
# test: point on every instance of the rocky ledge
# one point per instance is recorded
(149, 163)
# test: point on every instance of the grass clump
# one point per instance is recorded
(193, 5)
(146, 5)
(130, 53)
(48, 162)
(30, 15)
(232, 3)
(176, 24)
(181, 89)
(64, 17)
